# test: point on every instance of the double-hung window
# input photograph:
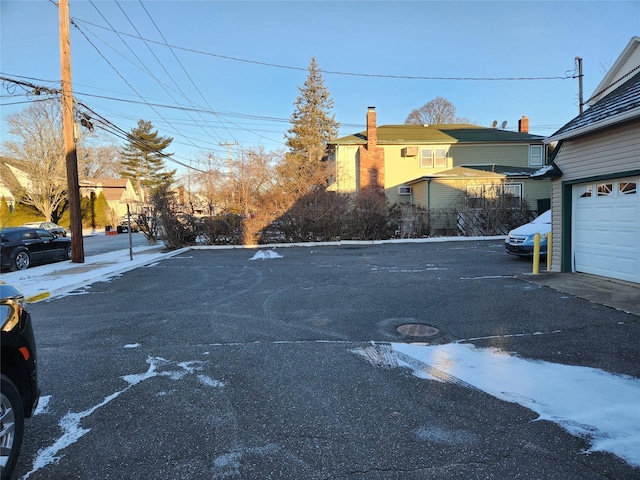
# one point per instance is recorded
(536, 157)
(433, 157)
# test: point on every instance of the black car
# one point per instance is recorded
(50, 226)
(19, 391)
(21, 247)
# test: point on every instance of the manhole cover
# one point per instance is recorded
(418, 330)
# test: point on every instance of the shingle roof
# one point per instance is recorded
(429, 134)
(457, 173)
(620, 103)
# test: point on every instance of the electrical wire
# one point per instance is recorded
(328, 72)
(116, 70)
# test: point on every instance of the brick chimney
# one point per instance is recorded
(372, 130)
(371, 156)
(523, 124)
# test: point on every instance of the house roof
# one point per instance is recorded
(112, 188)
(620, 70)
(616, 99)
(622, 104)
(508, 170)
(458, 173)
(436, 134)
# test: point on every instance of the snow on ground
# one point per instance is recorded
(596, 405)
(59, 278)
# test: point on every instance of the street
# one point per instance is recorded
(212, 365)
(101, 243)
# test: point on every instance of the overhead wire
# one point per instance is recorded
(332, 72)
(116, 70)
(179, 63)
(165, 69)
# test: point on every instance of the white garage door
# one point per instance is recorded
(606, 228)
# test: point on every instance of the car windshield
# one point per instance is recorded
(544, 218)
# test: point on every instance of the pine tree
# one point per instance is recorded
(143, 160)
(313, 126)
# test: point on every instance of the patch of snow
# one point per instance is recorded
(263, 255)
(587, 402)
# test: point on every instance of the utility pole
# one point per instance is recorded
(579, 60)
(73, 186)
(229, 145)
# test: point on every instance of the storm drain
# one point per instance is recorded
(417, 330)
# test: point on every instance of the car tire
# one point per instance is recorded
(12, 415)
(67, 252)
(21, 261)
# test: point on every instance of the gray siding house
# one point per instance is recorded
(595, 170)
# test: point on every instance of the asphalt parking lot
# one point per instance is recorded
(210, 364)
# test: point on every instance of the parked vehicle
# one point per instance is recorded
(520, 240)
(50, 226)
(19, 391)
(21, 247)
(124, 227)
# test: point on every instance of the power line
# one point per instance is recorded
(329, 72)
(161, 83)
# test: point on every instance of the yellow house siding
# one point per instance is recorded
(346, 168)
(399, 169)
(513, 155)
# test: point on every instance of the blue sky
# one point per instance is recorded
(250, 97)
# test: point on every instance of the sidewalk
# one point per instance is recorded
(55, 279)
(623, 296)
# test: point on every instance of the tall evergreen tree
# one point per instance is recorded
(313, 125)
(143, 160)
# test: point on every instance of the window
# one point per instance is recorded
(475, 196)
(404, 190)
(426, 158)
(628, 188)
(605, 189)
(512, 194)
(584, 191)
(536, 159)
(433, 157)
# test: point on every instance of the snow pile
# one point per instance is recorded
(262, 255)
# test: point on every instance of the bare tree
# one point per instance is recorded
(435, 112)
(39, 145)
(97, 159)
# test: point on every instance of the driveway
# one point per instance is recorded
(222, 364)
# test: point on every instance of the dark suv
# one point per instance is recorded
(19, 392)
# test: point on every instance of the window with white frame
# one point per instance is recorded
(536, 157)
(433, 157)
(440, 158)
(509, 195)
(512, 193)
(475, 196)
(426, 158)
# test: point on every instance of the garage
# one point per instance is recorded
(606, 228)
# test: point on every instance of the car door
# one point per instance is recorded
(49, 247)
(36, 246)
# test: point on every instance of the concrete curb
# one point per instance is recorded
(84, 275)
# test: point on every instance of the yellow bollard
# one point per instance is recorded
(536, 254)
(549, 252)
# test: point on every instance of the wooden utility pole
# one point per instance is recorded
(73, 186)
(230, 162)
(579, 61)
